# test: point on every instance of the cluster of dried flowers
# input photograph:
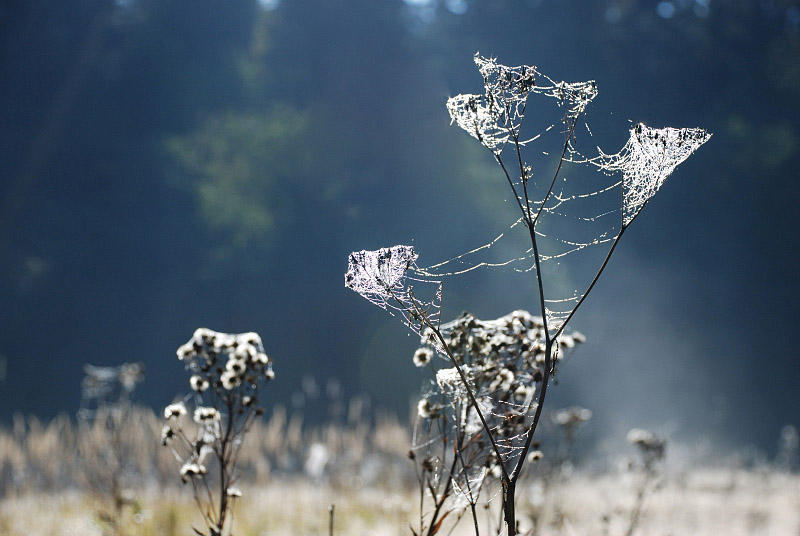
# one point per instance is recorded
(503, 362)
(108, 467)
(652, 447)
(227, 372)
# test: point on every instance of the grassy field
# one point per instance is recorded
(718, 502)
(56, 479)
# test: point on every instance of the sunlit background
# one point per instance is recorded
(171, 164)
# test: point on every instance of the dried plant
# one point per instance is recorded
(503, 360)
(559, 222)
(228, 371)
(569, 421)
(652, 448)
(788, 457)
(107, 434)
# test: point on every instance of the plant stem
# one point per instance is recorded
(473, 402)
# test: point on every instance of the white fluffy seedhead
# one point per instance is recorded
(226, 362)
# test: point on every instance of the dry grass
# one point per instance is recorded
(718, 502)
(43, 489)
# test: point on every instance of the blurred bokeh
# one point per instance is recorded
(171, 164)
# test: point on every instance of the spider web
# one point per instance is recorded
(647, 159)
(382, 277)
(579, 214)
(496, 117)
(579, 205)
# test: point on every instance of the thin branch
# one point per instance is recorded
(591, 285)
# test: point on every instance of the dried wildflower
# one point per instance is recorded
(167, 434)
(571, 417)
(261, 358)
(504, 360)
(186, 350)
(535, 455)
(205, 415)
(236, 366)
(495, 469)
(426, 410)
(230, 380)
(501, 360)
(244, 351)
(227, 370)
(107, 410)
(646, 440)
(422, 356)
(193, 469)
(198, 383)
(173, 411)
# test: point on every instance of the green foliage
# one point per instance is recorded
(234, 164)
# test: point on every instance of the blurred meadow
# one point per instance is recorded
(293, 473)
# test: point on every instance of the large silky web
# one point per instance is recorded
(496, 117)
(647, 159)
(532, 124)
(578, 214)
(385, 278)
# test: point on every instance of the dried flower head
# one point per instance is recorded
(535, 455)
(230, 380)
(173, 411)
(167, 434)
(193, 469)
(426, 410)
(204, 415)
(198, 383)
(423, 356)
(227, 370)
(571, 417)
(646, 440)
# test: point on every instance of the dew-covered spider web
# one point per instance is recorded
(578, 204)
(646, 160)
(386, 278)
(532, 124)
